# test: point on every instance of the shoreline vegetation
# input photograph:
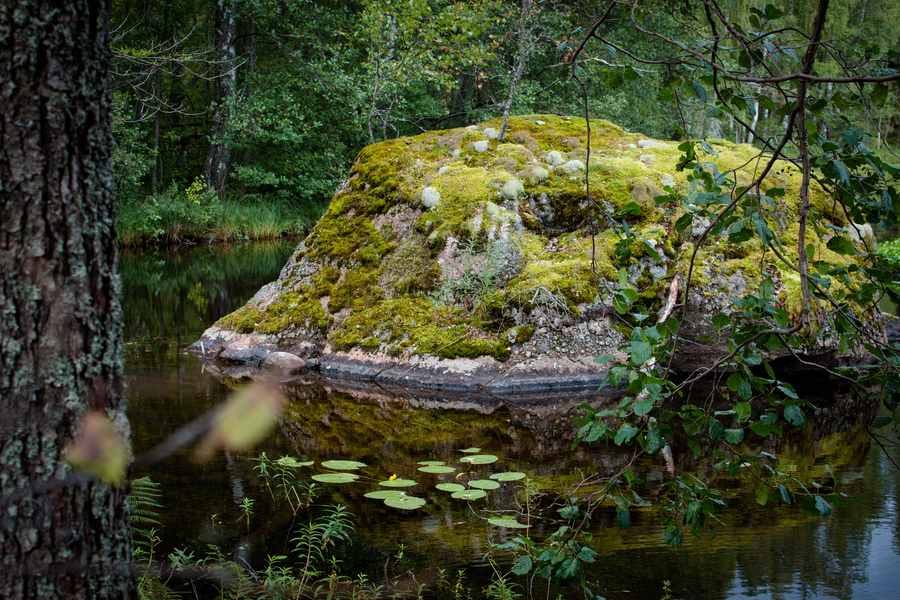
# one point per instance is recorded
(196, 216)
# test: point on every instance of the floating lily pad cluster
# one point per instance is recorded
(393, 496)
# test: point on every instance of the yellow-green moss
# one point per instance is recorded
(358, 290)
(415, 325)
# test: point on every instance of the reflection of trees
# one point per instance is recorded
(172, 296)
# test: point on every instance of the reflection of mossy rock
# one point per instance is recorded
(454, 260)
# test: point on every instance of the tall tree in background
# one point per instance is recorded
(224, 85)
(63, 534)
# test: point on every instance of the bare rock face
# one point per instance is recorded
(453, 261)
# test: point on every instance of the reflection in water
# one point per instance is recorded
(170, 298)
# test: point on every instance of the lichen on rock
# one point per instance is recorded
(454, 245)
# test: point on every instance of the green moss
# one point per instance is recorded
(569, 280)
(415, 325)
(347, 240)
(243, 320)
(357, 290)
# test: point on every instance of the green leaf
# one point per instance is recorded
(794, 415)
(882, 422)
(879, 94)
(384, 494)
(841, 246)
(823, 507)
(785, 493)
(405, 502)
(484, 484)
(699, 91)
(469, 494)
(625, 434)
(437, 469)
(479, 459)
(335, 477)
(510, 476)
(734, 436)
(674, 538)
(760, 428)
(623, 517)
(762, 494)
(734, 381)
(640, 352)
(716, 429)
(683, 222)
(721, 321)
(509, 523)
(343, 465)
(472, 450)
(742, 411)
(450, 487)
(397, 483)
(643, 407)
(522, 565)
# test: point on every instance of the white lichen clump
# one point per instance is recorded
(491, 133)
(480, 146)
(512, 189)
(431, 198)
(572, 166)
(555, 158)
(538, 174)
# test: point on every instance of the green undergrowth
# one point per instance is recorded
(177, 216)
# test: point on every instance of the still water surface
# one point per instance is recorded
(171, 297)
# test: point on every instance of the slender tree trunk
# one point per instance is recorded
(63, 534)
(224, 85)
(525, 47)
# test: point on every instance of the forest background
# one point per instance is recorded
(239, 118)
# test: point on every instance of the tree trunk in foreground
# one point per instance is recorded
(63, 534)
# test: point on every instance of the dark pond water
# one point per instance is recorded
(770, 552)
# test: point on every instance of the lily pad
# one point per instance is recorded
(469, 494)
(472, 450)
(291, 462)
(343, 465)
(385, 494)
(479, 459)
(436, 469)
(397, 482)
(405, 502)
(510, 476)
(335, 477)
(507, 522)
(431, 463)
(484, 484)
(450, 487)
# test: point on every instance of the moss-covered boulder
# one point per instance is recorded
(454, 260)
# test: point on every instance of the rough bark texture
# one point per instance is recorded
(62, 534)
(219, 155)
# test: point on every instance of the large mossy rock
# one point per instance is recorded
(454, 260)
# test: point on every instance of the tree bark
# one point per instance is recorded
(218, 157)
(63, 534)
(526, 35)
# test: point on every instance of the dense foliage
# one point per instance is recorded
(312, 82)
